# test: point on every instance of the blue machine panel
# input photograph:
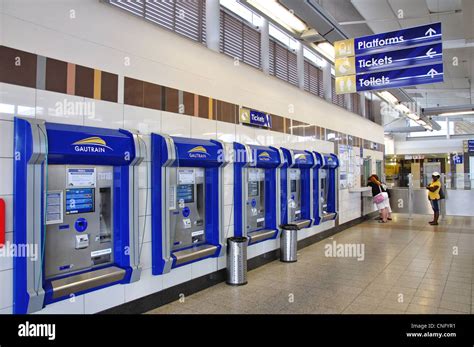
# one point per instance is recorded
(186, 210)
(255, 172)
(40, 145)
(297, 190)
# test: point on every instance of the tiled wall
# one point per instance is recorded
(72, 71)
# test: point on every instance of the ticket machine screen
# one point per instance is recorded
(79, 200)
(185, 193)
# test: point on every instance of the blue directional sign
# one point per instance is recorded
(428, 54)
(400, 78)
(398, 38)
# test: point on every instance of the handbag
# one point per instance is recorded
(379, 198)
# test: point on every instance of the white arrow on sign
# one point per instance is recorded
(431, 53)
(430, 32)
(432, 73)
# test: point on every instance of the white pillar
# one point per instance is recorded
(213, 24)
(327, 85)
(265, 47)
(448, 135)
(363, 111)
(348, 101)
(300, 65)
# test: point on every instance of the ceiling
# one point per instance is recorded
(365, 17)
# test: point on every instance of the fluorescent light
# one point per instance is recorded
(402, 108)
(413, 116)
(421, 122)
(388, 97)
(456, 113)
(279, 13)
(327, 50)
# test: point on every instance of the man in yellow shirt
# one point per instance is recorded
(434, 196)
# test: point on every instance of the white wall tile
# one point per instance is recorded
(204, 267)
(144, 202)
(225, 131)
(6, 262)
(245, 134)
(145, 255)
(177, 276)
(103, 299)
(228, 194)
(6, 181)
(61, 108)
(104, 114)
(16, 101)
(6, 139)
(145, 120)
(144, 225)
(6, 294)
(175, 124)
(8, 310)
(202, 128)
(73, 305)
(148, 284)
(228, 218)
(144, 175)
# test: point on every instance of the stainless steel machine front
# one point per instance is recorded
(79, 218)
(187, 209)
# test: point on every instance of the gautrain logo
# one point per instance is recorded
(264, 156)
(198, 152)
(300, 157)
(92, 144)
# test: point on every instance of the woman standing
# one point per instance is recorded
(380, 197)
(434, 196)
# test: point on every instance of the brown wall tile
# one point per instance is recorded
(278, 123)
(310, 131)
(188, 101)
(56, 75)
(288, 125)
(203, 107)
(24, 74)
(226, 112)
(171, 100)
(109, 86)
(133, 92)
(84, 81)
(152, 96)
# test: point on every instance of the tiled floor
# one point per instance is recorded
(408, 267)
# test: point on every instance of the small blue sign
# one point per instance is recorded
(398, 38)
(400, 78)
(431, 54)
(470, 146)
(458, 159)
(260, 119)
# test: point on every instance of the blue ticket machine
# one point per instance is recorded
(76, 203)
(297, 187)
(187, 196)
(257, 191)
(326, 179)
(317, 210)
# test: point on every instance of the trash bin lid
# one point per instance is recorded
(289, 227)
(238, 239)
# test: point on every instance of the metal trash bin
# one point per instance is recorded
(289, 243)
(237, 261)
